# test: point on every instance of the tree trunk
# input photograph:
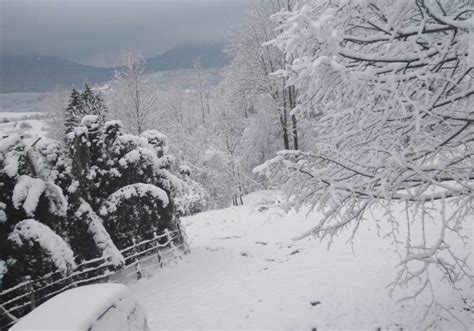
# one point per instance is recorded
(295, 132)
(284, 126)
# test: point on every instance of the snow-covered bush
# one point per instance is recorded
(190, 198)
(125, 178)
(95, 237)
(260, 201)
(31, 232)
(63, 187)
(135, 212)
(26, 191)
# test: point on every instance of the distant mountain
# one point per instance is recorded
(182, 57)
(31, 73)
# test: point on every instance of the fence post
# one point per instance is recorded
(138, 269)
(157, 243)
(30, 290)
(137, 264)
(184, 236)
(172, 245)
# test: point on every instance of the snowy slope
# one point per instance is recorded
(244, 271)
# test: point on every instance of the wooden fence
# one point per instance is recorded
(19, 300)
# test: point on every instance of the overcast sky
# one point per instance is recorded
(95, 31)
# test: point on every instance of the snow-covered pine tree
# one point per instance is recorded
(88, 102)
(70, 118)
(92, 102)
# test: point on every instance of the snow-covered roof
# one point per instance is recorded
(75, 309)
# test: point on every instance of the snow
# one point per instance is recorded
(22, 123)
(245, 271)
(9, 142)
(30, 230)
(3, 215)
(57, 201)
(79, 309)
(27, 193)
(134, 190)
(155, 135)
(10, 158)
(185, 170)
(112, 125)
(3, 269)
(158, 140)
(99, 234)
(90, 121)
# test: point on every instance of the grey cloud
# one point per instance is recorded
(94, 32)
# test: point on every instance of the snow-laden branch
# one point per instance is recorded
(388, 87)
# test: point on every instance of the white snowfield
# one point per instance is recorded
(244, 271)
(26, 123)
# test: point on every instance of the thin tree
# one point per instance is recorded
(135, 101)
(254, 60)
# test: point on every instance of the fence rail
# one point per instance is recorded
(20, 299)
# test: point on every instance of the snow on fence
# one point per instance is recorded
(139, 258)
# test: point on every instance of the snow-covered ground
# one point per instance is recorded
(245, 271)
(31, 123)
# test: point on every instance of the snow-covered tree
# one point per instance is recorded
(73, 111)
(254, 60)
(92, 102)
(388, 89)
(134, 99)
(203, 92)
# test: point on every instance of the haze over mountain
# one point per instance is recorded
(36, 73)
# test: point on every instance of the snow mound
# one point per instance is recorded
(82, 308)
(263, 200)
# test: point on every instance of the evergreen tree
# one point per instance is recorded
(71, 119)
(92, 103)
(88, 102)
